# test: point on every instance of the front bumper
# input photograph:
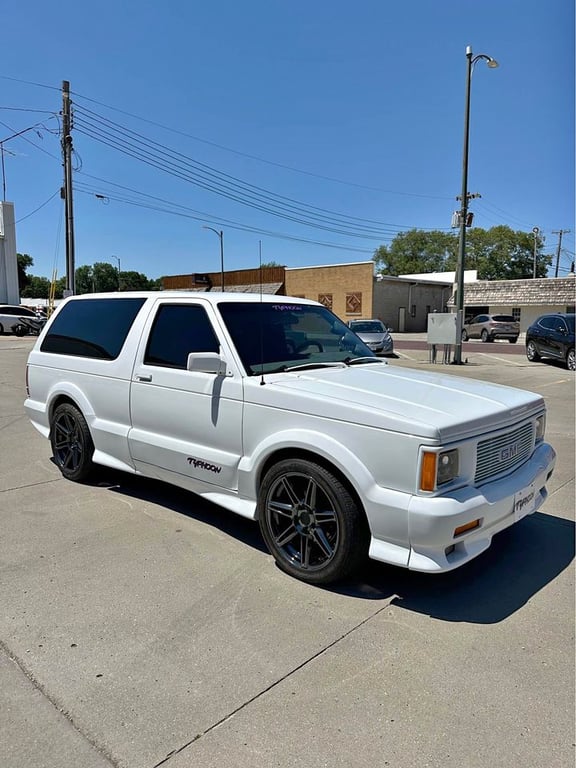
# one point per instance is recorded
(433, 520)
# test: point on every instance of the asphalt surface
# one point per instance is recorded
(141, 626)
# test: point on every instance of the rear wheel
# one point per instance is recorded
(310, 522)
(571, 360)
(72, 445)
(464, 336)
(532, 352)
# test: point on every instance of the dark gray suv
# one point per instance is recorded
(552, 336)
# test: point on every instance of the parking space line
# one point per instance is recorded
(503, 359)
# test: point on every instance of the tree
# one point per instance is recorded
(417, 251)
(84, 279)
(37, 288)
(134, 281)
(499, 253)
(271, 264)
(24, 262)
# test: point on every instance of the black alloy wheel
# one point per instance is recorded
(532, 352)
(311, 523)
(71, 442)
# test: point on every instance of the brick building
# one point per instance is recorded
(352, 291)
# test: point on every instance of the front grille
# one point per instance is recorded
(503, 453)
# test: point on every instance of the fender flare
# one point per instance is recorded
(308, 441)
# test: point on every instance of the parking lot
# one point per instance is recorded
(141, 626)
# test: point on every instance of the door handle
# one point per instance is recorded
(144, 377)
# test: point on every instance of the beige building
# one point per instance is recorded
(352, 291)
(346, 289)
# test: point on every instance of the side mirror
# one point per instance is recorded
(207, 362)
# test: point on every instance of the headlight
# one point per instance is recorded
(540, 428)
(438, 469)
(447, 466)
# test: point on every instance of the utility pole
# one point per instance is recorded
(559, 232)
(67, 189)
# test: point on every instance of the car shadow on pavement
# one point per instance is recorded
(181, 501)
(519, 563)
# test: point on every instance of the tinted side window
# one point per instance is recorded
(547, 322)
(92, 327)
(178, 330)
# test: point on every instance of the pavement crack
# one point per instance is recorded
(57, 706)
(30, 485)
(273, 685)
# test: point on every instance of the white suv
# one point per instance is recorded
(272, 408)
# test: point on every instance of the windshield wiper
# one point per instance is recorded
(361, 360)
(304, 366)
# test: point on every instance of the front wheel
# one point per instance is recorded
(571, 360)
(310, 522)
(514, 340)
(71, 442)
(532, 352)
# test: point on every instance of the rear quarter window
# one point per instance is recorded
(92, 327)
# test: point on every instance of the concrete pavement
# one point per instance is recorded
(140, 626)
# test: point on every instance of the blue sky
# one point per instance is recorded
(346, 115)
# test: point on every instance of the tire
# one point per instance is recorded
(1, 329)
(571, 360)
(20, 330)
(464, 336)
(484, 336)
(71, 442)
(532, 352)
(310, 523)
(514, 340)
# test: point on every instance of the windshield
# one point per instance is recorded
(367, 326)
(273, 337)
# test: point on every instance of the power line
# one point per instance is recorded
(207, 177)
(229, 223)
(257, 158)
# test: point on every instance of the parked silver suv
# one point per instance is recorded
(491, 327)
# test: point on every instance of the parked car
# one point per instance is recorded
(491, 327)
(271, 407)
(19, 320)
(552, 336)
(374, 334)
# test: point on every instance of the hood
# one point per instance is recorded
(430, 405)
(373, 337)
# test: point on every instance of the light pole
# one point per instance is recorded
(470, 61)
(221, 236)
(118, 260)
(535, 232)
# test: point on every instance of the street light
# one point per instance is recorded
(492, 63)
(221, 236)
(118, 260)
